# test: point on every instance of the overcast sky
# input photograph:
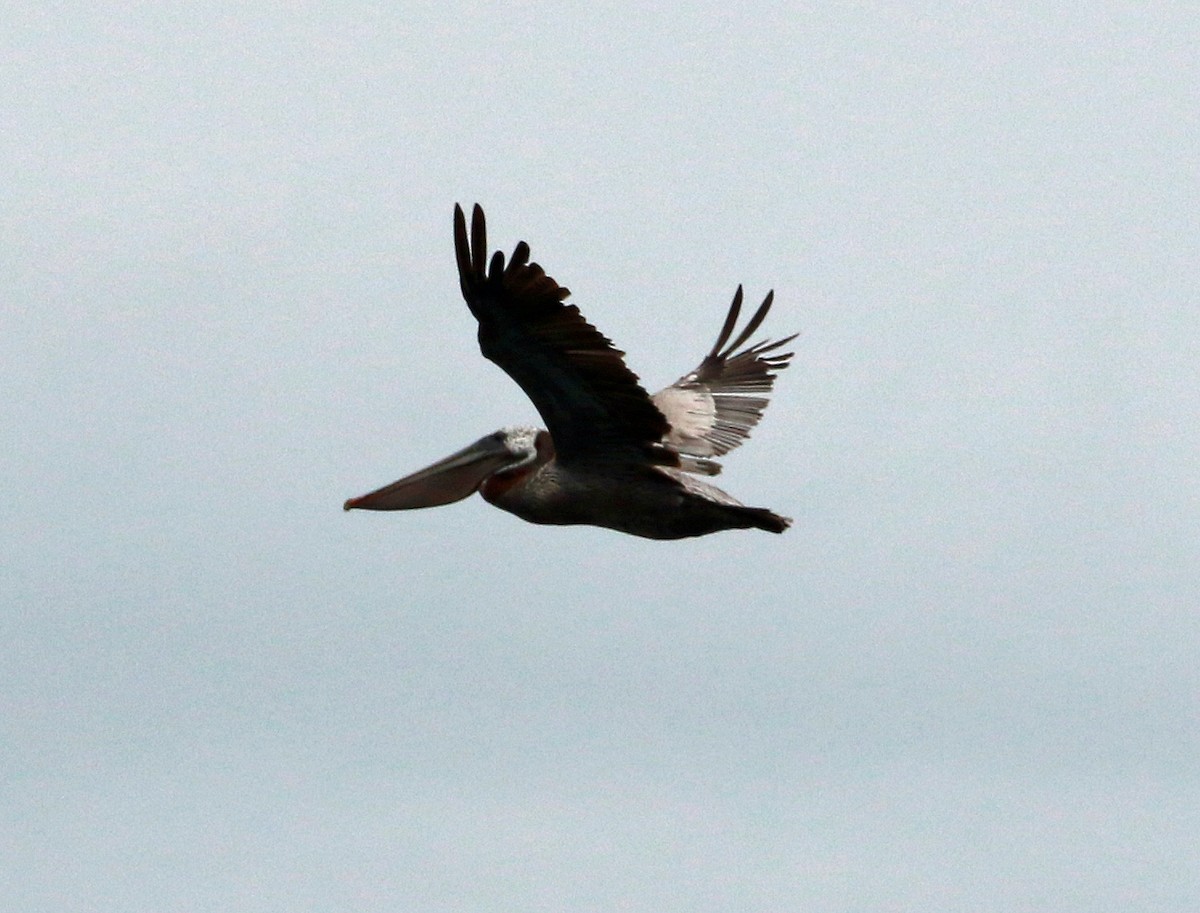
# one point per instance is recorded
(966, 679)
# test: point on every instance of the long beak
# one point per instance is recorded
(445, 482)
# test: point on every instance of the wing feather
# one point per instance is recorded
(713, 408)
(592, 404)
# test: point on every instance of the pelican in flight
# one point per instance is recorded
(612, 454)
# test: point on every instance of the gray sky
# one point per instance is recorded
(965, 680)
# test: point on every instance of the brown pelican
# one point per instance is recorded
(613, 456)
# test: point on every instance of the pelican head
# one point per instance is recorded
(509, 450)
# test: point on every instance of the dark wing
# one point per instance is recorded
(712, 409)
(591, 402)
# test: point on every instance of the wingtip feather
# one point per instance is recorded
(754, 323)
(730, 321)
(478, 241)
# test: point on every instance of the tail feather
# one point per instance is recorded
(761, 518)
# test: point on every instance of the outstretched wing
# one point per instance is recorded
(591, 402)
(712, 409)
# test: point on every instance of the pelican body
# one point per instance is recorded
(611, 455)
